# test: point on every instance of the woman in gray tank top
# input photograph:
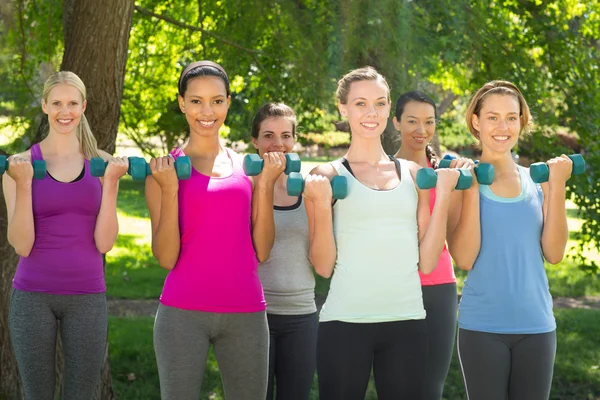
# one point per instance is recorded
(287, 276)
(373, 243)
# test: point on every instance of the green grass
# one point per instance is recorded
(576, 371)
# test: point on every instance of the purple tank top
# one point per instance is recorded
(64, 258)
(217, 269)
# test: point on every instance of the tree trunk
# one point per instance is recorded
(96, 42)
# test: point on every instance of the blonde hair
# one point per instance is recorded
(357, 75)
(87, 141)
(503, 88)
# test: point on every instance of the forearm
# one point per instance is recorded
(323, 251)
(556, 231)
(107, 224)
(465, 241)
(165, 239)
(263, 222)
(21, 228)
(433, 240)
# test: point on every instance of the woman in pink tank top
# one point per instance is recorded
(210, 232)
(415, 119)
(60, 224)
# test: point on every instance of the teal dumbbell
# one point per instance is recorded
(540, 172)
(137, 167)
(485, 172)
(339, 185)
(39, 167)
(253, 164)
(427, 179)
(183, 167)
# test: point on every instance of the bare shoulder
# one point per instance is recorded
(326, 170)
(413, 166)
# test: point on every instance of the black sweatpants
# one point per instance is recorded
(441, 302)
(496, 365)
(396, 351)
(292, 355)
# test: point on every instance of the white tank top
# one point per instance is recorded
(375, 278)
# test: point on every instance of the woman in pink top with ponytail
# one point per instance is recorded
(211, 231)
(415, 119)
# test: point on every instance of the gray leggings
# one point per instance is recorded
(497, 366)
(32, 322)
(241, 344)
(441, 302)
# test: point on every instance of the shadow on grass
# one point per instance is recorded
(131, 200)
(132, 272)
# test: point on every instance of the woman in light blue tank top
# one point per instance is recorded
(507, 339)
(373, 243)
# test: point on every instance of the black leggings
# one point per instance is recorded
(495, 365)
(396, 351)
(440, 303)
(292, 355)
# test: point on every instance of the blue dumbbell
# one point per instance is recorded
(339, 186)
(485, 172)
(427, 179)
(253, 164)
(540, 173)
(39, 167)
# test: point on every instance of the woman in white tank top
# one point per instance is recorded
(373, 242)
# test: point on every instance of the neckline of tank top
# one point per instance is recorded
(79, 177)
(232, 162)
(346, 165)
(289, 208)
(487, 193)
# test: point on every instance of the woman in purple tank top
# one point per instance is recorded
(211, 231)
(60, 226)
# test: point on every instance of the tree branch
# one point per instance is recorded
(172, 21)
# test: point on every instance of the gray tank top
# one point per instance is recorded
(376, 277)
(287, 276)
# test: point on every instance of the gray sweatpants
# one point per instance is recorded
(500, 366)
(33, 321)
(241, 344)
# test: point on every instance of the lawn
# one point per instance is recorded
(132, 273)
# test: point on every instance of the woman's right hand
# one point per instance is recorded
(20, 170)
(163, 172)
(317, 189)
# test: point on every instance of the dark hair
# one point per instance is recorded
(358, 75)
(202, 68)
(271, 110)
(419, 97)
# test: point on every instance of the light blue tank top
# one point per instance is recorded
(507, 289)
(375, 278)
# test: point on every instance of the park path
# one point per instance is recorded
(147, 308)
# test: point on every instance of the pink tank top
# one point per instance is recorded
(217, 269)
(444, 271)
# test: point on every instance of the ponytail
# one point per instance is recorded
(87, 141)
(431, 156)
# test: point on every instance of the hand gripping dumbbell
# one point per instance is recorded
(39, 167)
(253, 164)
(540, 172)
(485, 172)
(427, 178)
(139, 168)
(339, 185)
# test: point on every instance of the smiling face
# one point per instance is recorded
(275, 134)
(205, 105)
(367, 108)
(64, 105)
(498, 123)
(416, 125)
